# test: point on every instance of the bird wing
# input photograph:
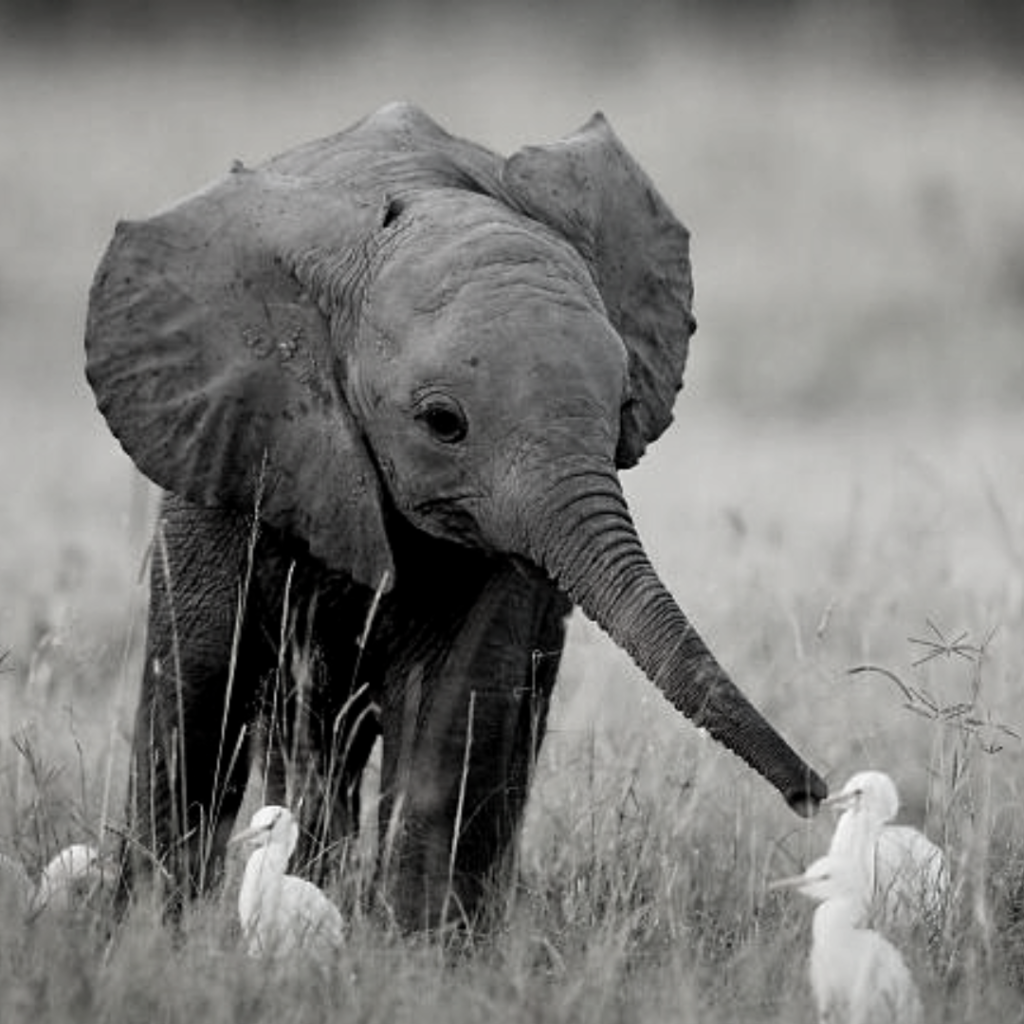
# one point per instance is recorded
(282, 914)
(908, 849)
(309, 911)
(911, 871)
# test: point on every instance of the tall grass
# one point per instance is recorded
(845, 469)
(644, 860)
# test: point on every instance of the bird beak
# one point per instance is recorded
(841, 800)
(787, 883)
(246, 833)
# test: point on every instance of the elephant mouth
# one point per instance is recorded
(449, 519)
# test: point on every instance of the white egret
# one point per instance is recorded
(71, 878)
(67, 882)
(905, 873)
(281, 913)
(857, 976)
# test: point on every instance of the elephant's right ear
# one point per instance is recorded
(591, 190)
(214, 367)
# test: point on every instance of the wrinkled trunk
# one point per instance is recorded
(585, 539)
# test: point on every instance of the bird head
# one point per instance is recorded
(872, 792)
(72, 878)
(270, 825)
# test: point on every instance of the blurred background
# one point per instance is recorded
(848, 455)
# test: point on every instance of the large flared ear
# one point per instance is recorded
(588, 188)
(213, 363)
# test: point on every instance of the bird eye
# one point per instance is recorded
(444, 418)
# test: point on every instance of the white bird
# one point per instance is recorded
(67, 882)
(905, 873)
(857, 976)
(71, 878)
(281, 913)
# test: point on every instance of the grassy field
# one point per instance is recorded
(845, 477)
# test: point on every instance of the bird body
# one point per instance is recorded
(857, 976)
(281, 913)
(70, 878)
(67, 882)
(904, 873)
(911, 874)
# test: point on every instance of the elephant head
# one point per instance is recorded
(393, 321)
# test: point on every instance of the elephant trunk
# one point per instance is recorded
(589, 545)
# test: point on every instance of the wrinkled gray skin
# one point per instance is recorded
(392, 362)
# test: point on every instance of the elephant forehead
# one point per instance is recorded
(487, 300)
(520, 306)
(443, 247)
(515, 332)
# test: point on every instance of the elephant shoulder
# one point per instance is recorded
(184, 523)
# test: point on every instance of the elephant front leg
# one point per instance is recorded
(461, 736)
(190, 754)
(189, 768)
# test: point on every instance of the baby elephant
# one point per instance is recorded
(388, 380)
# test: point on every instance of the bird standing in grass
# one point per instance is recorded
(905, 874)
(71, 878)
(67, 882)
(857, 976)
(281, 913)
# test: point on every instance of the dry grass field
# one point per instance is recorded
(845, 478)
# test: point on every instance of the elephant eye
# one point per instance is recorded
(444, 418)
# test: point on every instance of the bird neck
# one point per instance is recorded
(857, 826)
(855, 838)
(836, 916)
(265, 868)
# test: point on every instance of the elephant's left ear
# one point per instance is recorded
(589, 189)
